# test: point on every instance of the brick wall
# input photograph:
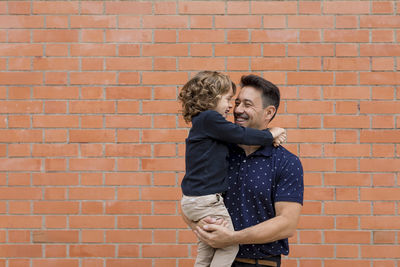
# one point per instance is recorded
(91, 143)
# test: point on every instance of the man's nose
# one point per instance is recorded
(238, 109)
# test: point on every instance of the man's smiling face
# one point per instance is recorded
(248, 110)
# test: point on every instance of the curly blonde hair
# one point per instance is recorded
(203, 92)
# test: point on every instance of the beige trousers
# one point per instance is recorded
(196, 208)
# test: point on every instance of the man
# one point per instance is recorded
(266, 188)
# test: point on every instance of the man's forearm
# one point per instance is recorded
(269, 231)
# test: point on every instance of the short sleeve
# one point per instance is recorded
(290, 183)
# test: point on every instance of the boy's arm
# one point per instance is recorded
(217, 127)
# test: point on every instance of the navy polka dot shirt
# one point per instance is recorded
(256, 182)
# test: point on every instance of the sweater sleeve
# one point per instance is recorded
(217, 127)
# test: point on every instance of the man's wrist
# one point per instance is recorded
(236, 237)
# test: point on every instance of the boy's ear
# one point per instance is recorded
(269, 112)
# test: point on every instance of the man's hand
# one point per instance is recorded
(217, 236)
(203, 222)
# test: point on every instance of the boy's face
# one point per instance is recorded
(224, 104)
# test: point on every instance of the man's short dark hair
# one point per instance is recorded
(269, 92)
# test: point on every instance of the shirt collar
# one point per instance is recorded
(265, 151)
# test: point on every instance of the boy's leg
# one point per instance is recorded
(194, 209)
(205, 255)
(224, 257)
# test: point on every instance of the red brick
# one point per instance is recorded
(350, 208)
(382, 251)
(381, 64)
(165, 251)
(353, 92)
(343, 121)
(318, 164)
(92, 50)
(21, 22)
(382, 36)
(92, 251)
(126, 207)
(309, 107)
(274, 36)
(94, 21)
(347, 165)
(238, 7)
(164, 78)
(163, 164)
(199, 36)
(379, 21)
(347, 179)
(55, 164)
(54, 236)
(165, 36)
(310, 121)
(273, 64)
(384, 208)
(346, 50)
(18, 7)
(163, 221)
(55, 36)
(161, 193)
(129, 262)
(310, 78)
(310, 136)
(55, 262)
(57, 21)
(381, 50)
(273, 8)
(343, 7)
(382, 7)
(88, 35)
(201, 7)
(317, 193)
(21, 78)
(127, 36)
(239, 21)
(380, 107)
(346, 22)
(344, 150)
(89, 7)
(165, 21)
(355, 36)
(128, 8)
(201, 64)
(129, 236)
(305, 22)
(92, 78)
(20, 250)
(53, 7)
(19, 64)
(55, 207)
(201, 22)
(346, 64)
(326, 251)
(384, 237)
(379, 136)
(310, 64)
(165, 7)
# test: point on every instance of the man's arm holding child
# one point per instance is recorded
(280, 227)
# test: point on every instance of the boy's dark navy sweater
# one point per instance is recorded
(207, 151)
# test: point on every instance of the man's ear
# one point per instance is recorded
(269, 112)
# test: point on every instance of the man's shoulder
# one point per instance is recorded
(282, 153)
